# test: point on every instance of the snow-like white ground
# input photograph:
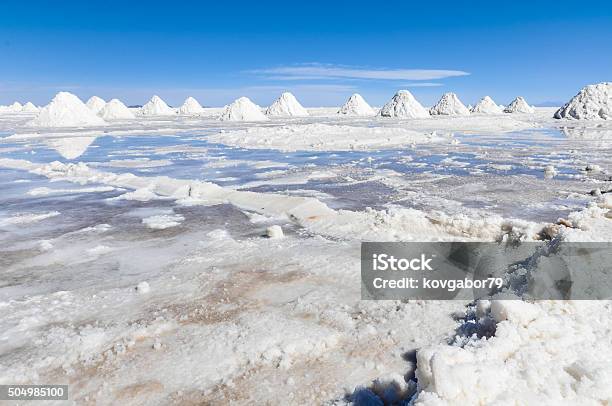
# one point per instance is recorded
(137, 267)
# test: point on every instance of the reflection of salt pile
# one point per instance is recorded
(115, 110)
(486, 105)
(70, 147)
(66, 110)
(592, 103)
(242, 109)
(519, 105)
(449, 105)
(95, 103)
(286, 106)
(403, 105)
(29, 107)
(156, 107)
(356, 106)
(190, 106)
(600, 136)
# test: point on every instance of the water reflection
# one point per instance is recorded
(70, 147)
(595, 133)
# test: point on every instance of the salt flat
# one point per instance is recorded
(183, 203)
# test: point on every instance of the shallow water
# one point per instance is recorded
(438, 171)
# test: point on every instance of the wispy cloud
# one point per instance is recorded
(305, 87)
(422, 84)
(321, 71)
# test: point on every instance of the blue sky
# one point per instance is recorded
(321, 51)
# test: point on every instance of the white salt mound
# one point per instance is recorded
(275, 232)
(163, 221)
(519, 105)
(143, 288)
(29, 107)
(66, 110)
(95, 103)
(156, 107)
(594, 102)
(190, 107)
(286, 106)
(486, 105)
(243, 109)
(356, 106)
(449, 105)
(13, 108)
(403, 105)
(115, 110)
(593, 168)
(550, 172)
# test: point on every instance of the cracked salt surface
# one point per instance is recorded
(231, 315)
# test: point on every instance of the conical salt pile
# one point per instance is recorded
(66, 110)
(449, 105)
(594, 102)
(115, 110)
(286, 106)
(519, 105)
(190, 107)
(486, 105)
(29, 107)
(16, 107)
(156, 107)
(95, 103)
(243, 109)
(403, 105)
(356, 106)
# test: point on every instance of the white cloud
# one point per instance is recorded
(304, 87)
(320, 71)
(422, 84)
